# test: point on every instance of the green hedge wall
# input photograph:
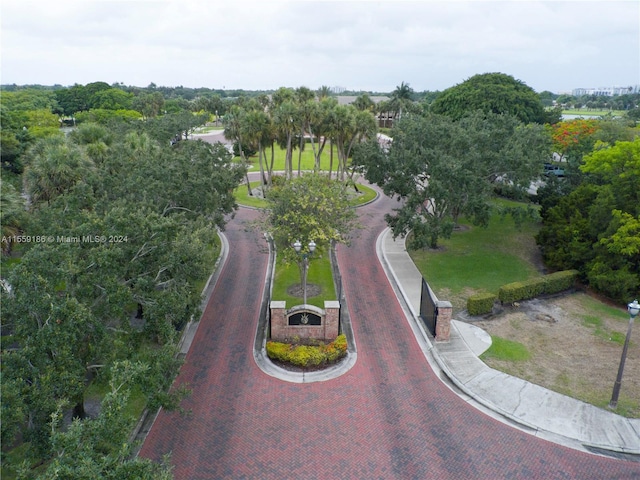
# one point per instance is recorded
(552, 283)
(480, 303)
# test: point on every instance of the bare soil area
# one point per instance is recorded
(575, 347)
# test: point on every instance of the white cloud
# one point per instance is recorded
(357, 44)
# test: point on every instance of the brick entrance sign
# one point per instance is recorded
(305, 321)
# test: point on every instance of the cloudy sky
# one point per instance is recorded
(359, 45)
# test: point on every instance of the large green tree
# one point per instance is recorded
(442, 169)
(493, 93)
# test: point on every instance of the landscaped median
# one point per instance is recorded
(308, 356)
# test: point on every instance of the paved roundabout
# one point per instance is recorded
(388, 417)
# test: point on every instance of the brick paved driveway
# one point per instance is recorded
(389, 417)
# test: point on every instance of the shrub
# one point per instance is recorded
(559, 281)
(480, 303)
(308, 355)
(516, 291)
(552, 283)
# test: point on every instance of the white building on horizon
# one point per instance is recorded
(606, 91)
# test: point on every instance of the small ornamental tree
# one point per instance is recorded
(308, 208)
(574, 137)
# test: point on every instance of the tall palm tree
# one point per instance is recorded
(365, 127)
(286, 120)
(305, 102)
(56, 167)
(256, 128)
(323, 92)
(323, 128)
(343, 123)
(233, 122)
(401, 97)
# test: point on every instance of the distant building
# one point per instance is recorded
(348, 99)
(606, 91)
(385, 119)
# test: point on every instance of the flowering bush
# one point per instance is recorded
(308, 355)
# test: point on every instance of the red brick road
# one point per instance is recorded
(389, 417)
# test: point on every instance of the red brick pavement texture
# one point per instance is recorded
(389, 417)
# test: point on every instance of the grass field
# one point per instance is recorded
(307, 160)
(319, 274)
(593, 112)
(477, 259)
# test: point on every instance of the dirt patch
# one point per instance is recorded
(296, 290)
(575, 349)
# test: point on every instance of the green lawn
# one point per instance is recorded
(319, 274)
(307, 159)
(503, 349)
(479, 259)
(598, 112)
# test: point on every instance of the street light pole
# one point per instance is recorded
(297, 246)
(633, 309)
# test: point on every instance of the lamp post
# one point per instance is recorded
(297, 246)
(633, 309)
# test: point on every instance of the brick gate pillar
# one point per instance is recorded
(443, 321)
(331, 319)
(278, 320)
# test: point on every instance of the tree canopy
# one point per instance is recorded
(595, 228)
(123, 226)
(309, 207)
(442, 169)
(492, 93)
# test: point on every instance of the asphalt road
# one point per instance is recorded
(389, 417)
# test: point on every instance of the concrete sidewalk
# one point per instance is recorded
(535, 409)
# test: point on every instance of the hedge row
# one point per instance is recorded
(552, 283)
(482, 303)
(308, 355)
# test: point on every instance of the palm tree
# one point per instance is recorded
(256, 128)
(56, 166)
(285, 117)
(364, 102)
(365, 127)
(305, 102)
(11, 214)
(343, 123)
(401, 97)
(233, 122)
(323, 92)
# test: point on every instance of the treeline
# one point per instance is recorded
(591, 217)
(114, 232)
(627, 102)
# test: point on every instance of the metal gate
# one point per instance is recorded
(428, 308)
